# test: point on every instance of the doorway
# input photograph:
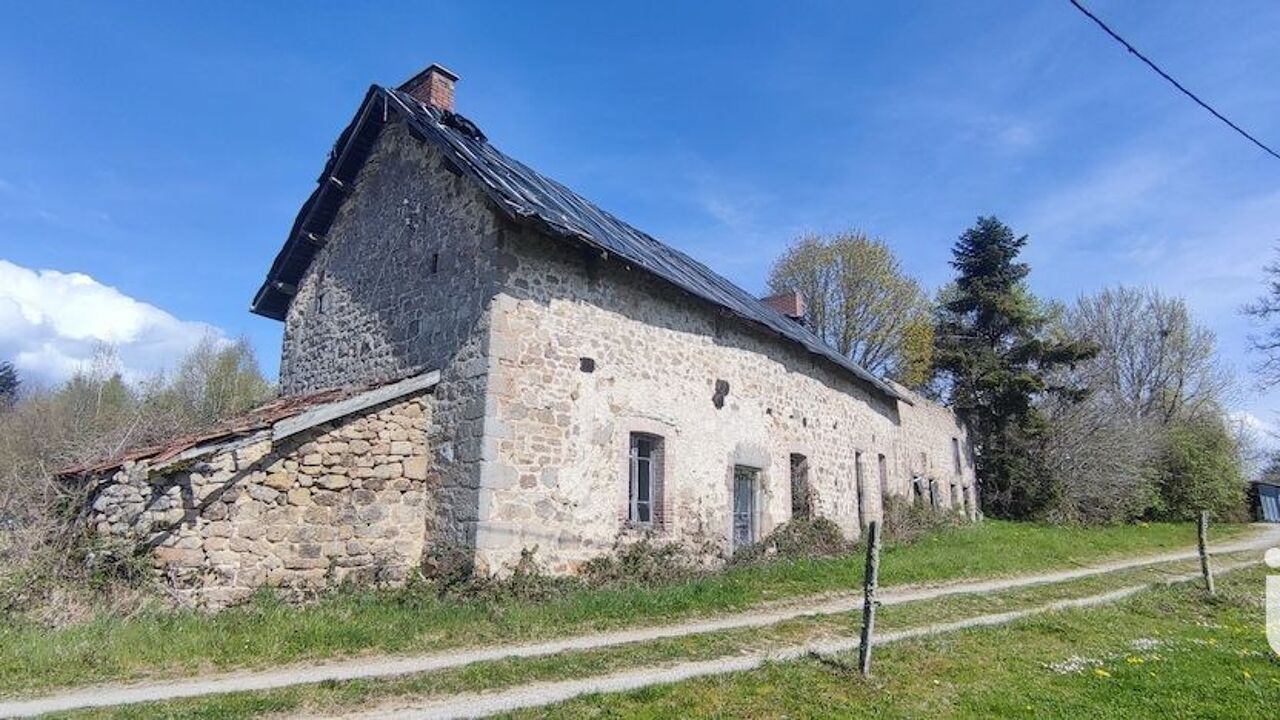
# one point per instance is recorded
(801, 491)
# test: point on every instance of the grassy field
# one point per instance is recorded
(266, 632)
(337, 698)
(1171, 653)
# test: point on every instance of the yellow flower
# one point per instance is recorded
(1247, 674)
(1134, 660)
(1101, 673)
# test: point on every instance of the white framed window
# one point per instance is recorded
(644, 492)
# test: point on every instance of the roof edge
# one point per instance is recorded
(348, 156)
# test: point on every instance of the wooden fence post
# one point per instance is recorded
(870, 581)
(1204, 551)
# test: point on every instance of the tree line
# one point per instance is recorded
(1111, 408)
(95, 414)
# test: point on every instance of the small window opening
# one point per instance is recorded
(435, 263)
(722, 391)
(955, 454)
(322, 302)
(801, 489)
(861, 488)
(884, 476)
(917, 490)
(645, 482)
(587, 365)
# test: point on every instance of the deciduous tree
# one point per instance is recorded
(860, 301)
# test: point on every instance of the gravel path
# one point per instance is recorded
(477, 705)
(389, 666)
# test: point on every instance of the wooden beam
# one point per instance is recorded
(332, 411)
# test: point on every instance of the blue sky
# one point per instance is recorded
(161, 151)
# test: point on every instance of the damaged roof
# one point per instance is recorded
(524, 196)
(284, 416)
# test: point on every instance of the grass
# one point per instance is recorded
(336, 698)
(266, 632)
(1172, 652)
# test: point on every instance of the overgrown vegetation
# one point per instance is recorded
(48, 567)
(798, 539)
(1149, 437)
(907, 522)
(156, 642)
(336, 698)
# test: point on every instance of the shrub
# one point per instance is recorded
(642, 562)
(1200, 470)
(906, 522)
(797, 539)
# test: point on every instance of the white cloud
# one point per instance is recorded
(51, 324)
(1257, 425)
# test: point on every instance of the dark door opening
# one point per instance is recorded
(801, 490)
(744, 506)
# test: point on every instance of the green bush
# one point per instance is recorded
(642, 562)
(1199, 469)
(905, 521)
(797, 539)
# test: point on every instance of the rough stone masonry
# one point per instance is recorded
(346, 501)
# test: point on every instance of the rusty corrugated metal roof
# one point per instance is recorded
(244, 425)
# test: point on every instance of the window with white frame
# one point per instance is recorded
(644, 494)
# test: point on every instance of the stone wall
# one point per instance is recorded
(346, 500)
(583, 356)
(403, 279)
(930, 435)
(403, 285)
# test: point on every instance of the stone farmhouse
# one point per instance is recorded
(479, 360)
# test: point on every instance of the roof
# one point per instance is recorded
(284, 417)
(525, 196)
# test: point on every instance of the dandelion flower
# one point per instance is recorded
(1101, 673)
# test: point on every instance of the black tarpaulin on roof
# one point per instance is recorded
(523, 194)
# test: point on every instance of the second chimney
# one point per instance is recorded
(789, 303)
(433, 86)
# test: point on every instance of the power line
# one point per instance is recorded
(1175, 83)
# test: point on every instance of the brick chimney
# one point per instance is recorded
(433, 86)
(789, 303)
